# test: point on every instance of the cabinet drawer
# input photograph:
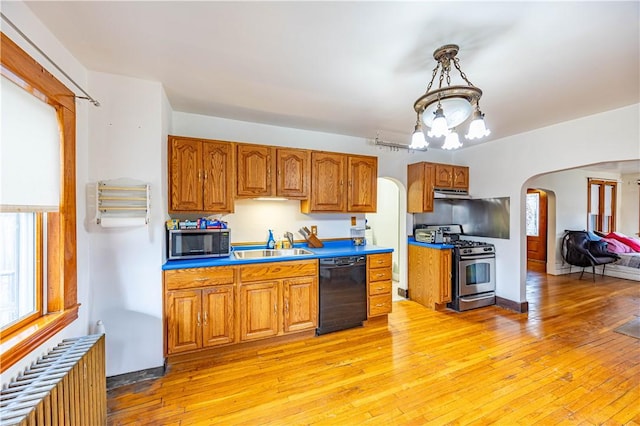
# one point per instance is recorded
(379, 305)
(278, 270)
(178, 279)
(382, 260)
(380, 274)
(380, 287)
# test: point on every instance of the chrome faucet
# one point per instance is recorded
(289, 237)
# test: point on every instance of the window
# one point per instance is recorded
(601, 201)
(38, 293)
(20, 283)
(532, 209)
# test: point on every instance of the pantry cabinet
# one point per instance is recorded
(429, 276)
(200, 175)
(267, 171)
(278, 298)
(199, 308)
(342, 183)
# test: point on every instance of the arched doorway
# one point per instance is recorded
(388, 227)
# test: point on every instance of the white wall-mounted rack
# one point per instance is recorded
(122, 202)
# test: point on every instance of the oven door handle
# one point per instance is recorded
(477, 256)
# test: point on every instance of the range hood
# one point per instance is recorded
(450, 193)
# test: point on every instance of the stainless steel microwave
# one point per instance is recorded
(198, 243)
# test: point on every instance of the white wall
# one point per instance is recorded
(520, 157)
(127, 141)
(22, 17)
(629, 190)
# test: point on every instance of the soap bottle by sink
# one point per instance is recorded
(271, 242)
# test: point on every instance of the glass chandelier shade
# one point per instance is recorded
(418, 140)
(452, 141)
(477, 128)
(444, 108)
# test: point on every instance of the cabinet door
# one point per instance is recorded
(362, 174)
(185, 175)
(460, 177)
(327, 182)
(418, 275)
(218, 165)
(184, 327)
(420, 181)
(259, 310)
(445, 276)
(293, 173)
(218, 315)
(254, 171)
(444, 176)
(300, 304)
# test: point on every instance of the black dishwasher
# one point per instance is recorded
(343, 293)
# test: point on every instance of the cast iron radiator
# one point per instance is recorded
(68, 386)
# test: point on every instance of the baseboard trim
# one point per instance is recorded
(134, 377)
(520, 307)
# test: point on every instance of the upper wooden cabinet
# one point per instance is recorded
(342, 183)
(451, 177)
(266, 171)
(420, 181)
(423, 177)
(293, 173)
(200, 175)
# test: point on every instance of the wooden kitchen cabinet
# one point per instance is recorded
(266, 171)
(199, 308)
(342, 183)
(260, 309)
(423, 178)
(254, 167)
(293, 177)
(429, 276)
(199, 318)
(420, 182)
(278, 298)
(200, 175)
(300, 297)
(379, 284)
(451, 177)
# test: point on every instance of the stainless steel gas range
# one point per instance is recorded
(473, 274)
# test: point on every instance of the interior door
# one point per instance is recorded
(536, 225)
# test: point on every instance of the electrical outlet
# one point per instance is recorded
(353, 221)
(314, 229)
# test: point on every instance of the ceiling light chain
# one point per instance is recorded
(444, 108)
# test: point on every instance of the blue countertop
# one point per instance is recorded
(330, 249)
(440, 246)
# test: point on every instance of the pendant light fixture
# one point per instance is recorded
(446, 107)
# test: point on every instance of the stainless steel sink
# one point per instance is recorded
(263, 253)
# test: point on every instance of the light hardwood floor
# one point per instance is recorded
(561, 363)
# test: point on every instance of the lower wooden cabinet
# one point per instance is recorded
(429, 276)
(379, 284)
(200, 318)
(199, 308)
(278, 298)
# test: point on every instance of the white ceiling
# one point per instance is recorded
(356, 68)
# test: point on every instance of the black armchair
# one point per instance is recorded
(579, 250)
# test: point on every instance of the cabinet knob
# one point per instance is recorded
(198, 321)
